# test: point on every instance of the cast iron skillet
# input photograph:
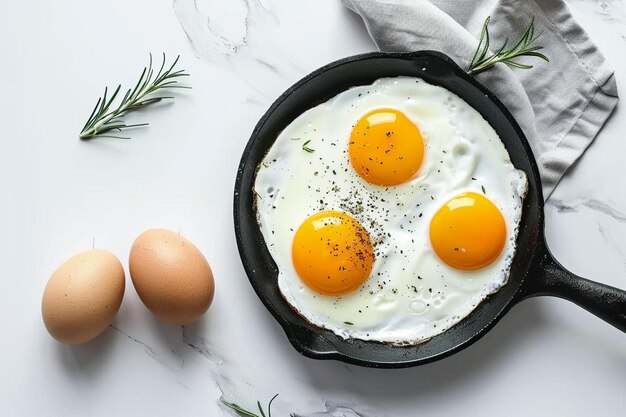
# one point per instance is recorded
(534, 271)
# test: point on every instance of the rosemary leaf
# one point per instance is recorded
(306, 148)
(258, 404)
(246, 413)
(269, 406)
(238, 409)
(525, 46)
(103, 120)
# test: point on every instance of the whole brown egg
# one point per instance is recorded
(171, 276)
(82, 296)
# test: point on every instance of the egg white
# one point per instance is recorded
(411, 295)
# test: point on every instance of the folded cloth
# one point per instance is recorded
(560, 105)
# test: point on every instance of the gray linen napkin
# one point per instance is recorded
(561, 105)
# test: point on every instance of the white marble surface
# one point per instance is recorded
(58, 195)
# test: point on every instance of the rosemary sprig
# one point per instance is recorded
(103, 120)
(305, 147)
(525, 46)
(244, 412)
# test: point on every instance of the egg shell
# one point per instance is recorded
(171, 276)
(83, 296)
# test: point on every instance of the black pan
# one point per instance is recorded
(534, 271)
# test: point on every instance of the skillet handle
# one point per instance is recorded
(606, 302)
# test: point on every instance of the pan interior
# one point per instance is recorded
(321, 86)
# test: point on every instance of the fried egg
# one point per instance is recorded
(391, 211)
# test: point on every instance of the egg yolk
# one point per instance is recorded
(468, 232)
(386, 148)
(332, 253)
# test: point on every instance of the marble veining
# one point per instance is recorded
(149, 351)
(176, 364)
(230, 379)
(206, 351)
(227, 376)
(222, 371)
(611, 244)
(248, 46)
(333, 410)
(591, 204)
